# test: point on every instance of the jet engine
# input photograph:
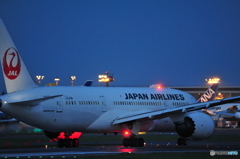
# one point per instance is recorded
(237, 115)
(196, 126)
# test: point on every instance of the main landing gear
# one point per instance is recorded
(68, 143)
(133, 142)
(182, 141)
(69, 140)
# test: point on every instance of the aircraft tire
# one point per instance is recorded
(69, 142)
(125, 142)
(179, 142)
(185, 142)
(75, 142)
(133, 142)
(182, 141)
(61, 143)
(140, 142)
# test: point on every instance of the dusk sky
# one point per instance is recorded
(142, 42)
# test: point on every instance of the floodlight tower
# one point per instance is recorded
(56, 80)
(106, 77)
(73, 78)
(39, 78)
(213, 80)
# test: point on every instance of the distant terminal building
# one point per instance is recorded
(197, 91)
(223, 91)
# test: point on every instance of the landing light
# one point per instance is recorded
(126, 133)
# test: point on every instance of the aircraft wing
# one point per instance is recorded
(157, 114)
(32, 102)
(225, 113)
(8, 120)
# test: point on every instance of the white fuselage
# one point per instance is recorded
(88, 109)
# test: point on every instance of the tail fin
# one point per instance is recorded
(15, 73)
(88, 83)
(210, 94)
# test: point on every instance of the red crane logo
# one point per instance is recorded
(11, 63)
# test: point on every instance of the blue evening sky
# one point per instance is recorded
(173, 42)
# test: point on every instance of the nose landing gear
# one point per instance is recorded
(182, 141)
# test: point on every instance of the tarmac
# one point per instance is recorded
(150, 147)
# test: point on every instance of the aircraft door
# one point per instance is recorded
(103, 103)
(165, 105)
(59, 107)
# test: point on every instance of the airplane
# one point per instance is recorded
(88, 83)
(167, 125)
(68, 111)
(6, 118)
(228, 112)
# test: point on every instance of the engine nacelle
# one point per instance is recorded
(237, 115)
(196, 126)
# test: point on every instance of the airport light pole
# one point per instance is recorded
(56, 80)
(213, 80)
(106, 77)
(39, 78)
(72, 79)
